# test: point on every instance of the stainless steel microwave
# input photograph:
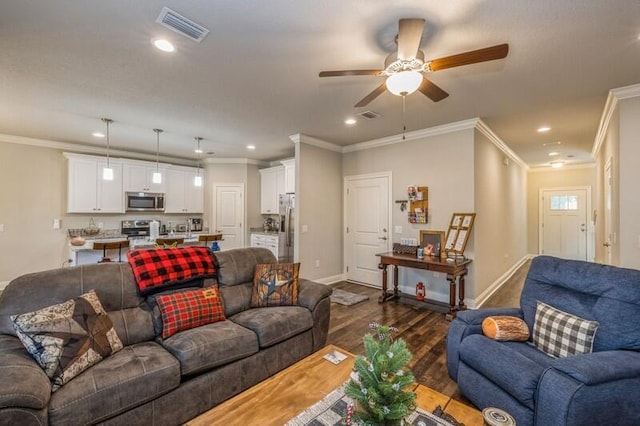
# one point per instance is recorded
(145, 202)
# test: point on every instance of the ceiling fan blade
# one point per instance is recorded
(433, 92)
(409, 35)
(349, 72)
(371, 96)
(481, 55)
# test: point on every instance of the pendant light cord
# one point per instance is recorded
(108, 121)
(158, 131)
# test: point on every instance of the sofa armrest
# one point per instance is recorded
(24, 384)
(464, 324)
(596, 388)
(600, 367)
(311, 293)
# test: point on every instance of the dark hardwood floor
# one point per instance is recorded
(424, 331)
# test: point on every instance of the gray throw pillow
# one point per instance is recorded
(560, 334)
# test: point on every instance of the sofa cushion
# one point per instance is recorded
(155, 269)
(131, 377)
(275, 324)
(509, 368)
(68, 338)
(189, 309)
(238, 265)
(209, 346)
(560, 334)
(275, 284)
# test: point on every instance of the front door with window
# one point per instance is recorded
(564, 223)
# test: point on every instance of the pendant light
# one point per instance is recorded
(107, 172)
(157, 176)
(197, 180)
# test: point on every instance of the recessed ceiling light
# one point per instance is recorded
(557, 164)
(198, 151)
(350, 121)
(251, 147)
(543, 129)
(164, 45)
(97, 135)
(553, 154)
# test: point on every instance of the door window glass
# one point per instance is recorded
(564, 202)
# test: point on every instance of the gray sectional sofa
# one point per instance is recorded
(153, 381)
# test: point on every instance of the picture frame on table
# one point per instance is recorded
(432, 241)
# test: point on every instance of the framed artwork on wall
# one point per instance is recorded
(458, 234)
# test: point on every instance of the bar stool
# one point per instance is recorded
(210, 237)
(163, 242)
(111, 245)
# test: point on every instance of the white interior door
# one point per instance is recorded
(229, 215)
(609, 237)
(367, 219)
(564, 223)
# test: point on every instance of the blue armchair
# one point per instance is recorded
(599, 388)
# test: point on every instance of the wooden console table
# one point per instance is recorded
(455, 270)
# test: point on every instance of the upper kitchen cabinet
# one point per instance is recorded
(289, 175)
(182, 196)
(272, 182)
(87, 191)
(139, 177)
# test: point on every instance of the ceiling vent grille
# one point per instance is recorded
(369, 115)
(178, 23)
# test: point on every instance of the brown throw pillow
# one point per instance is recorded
(275, 284)
(505, 328)
(68, 338)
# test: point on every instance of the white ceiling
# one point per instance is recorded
(254, 78)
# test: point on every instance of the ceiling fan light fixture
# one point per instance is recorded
(404, 83)
(557, 164)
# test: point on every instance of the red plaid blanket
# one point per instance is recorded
(159, 268)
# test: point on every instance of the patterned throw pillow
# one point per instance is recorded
(155, 269)
(68, 338)
(189, 309)
(560, 334)
(275, 284)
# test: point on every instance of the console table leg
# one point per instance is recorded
(383, 268)
(395, 281)
(452, 297)
(461, 305)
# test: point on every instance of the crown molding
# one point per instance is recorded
(310, 140)
(485, 130)
(614, 96)
(566, 167)
(246, 161)
(413, 135)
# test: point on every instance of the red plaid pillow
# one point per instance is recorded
(189, 309)
(156, 268)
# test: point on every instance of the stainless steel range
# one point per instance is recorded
(136, 229)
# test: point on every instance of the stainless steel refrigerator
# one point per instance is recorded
(287, 224)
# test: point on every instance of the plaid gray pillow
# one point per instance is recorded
(560, 334)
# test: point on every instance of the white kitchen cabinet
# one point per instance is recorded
(289, 175)
(271, 186)
(87, 192)
(139, 177)
(275, 243)
(181, 195)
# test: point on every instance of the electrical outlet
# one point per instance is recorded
(398, 229)
(317, 263)
(56, 223)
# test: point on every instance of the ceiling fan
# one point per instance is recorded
(404, 68)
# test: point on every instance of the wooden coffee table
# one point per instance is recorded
(283, 396)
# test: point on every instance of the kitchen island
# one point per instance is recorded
(85, 254)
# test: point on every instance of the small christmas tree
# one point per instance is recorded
(379, 379)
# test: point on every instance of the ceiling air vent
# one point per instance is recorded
(369, 115)
(178, 23)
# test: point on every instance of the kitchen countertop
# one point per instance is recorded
(136, 243)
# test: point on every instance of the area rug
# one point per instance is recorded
(347, 298)
(331, 409)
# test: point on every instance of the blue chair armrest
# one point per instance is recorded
(466, 323)
(600, 367)
(596, 388)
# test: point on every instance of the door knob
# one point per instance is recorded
(607, 244)
(382, 238)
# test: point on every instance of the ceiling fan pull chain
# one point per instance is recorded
(404, 124)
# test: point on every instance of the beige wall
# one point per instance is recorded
(445, 164)
(319, 209)
(500, 238)
(552, 178)
(629, 174)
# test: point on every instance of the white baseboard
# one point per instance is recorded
(497, 284)
(330, 280)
